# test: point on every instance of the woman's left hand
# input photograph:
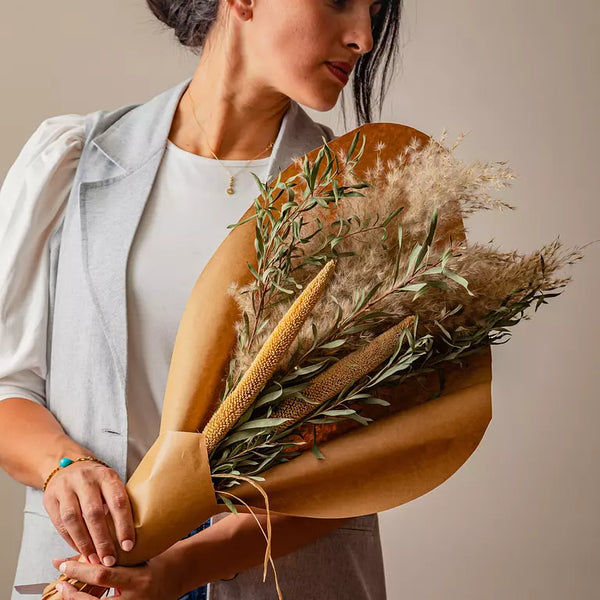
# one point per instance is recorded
(150, 581)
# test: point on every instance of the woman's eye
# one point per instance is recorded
(376, 8)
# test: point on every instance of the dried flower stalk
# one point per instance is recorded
(344, 372)
(267, 359)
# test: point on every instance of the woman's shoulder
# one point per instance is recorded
(38, 180)
(54, 138)
(65, 135)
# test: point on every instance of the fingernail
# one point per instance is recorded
(109, 561)
(127, 545)
(94, 559)
(63, 567)
(60, 587)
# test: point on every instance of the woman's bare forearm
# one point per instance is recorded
(235, 544)
(32, 441)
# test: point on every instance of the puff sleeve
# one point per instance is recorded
(32, 201)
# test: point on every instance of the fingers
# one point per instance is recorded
(92, 510)
(99, 575)
(69, 592)
(53, 510)
(62, 504)
(72, 518)
(119, 507)
(59, 561)
(78, 501)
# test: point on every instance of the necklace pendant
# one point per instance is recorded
(230, 189)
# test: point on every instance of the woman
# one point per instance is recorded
(82, 372)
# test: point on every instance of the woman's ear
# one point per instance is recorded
(243, 8)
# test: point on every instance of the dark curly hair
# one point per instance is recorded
(191, 21)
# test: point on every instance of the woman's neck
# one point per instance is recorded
(227, 111)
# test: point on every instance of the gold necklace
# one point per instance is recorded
(230, 190)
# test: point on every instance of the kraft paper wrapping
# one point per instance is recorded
(414, 446)
(171, 494)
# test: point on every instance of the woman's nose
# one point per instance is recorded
(359, 34)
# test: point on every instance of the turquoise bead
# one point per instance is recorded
(65, 462)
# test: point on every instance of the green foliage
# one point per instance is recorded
(257, 442)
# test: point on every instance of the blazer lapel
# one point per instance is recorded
(111, 205)
(119, 170)
(110, 213)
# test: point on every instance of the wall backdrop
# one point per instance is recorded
(520, 519)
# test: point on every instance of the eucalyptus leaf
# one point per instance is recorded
(360, 419)
(342, 412)
(353, 145)
(317, 452)
(460, 280)
(333, 344)
(228, 503)
(262, 423)
(241, 436)
(268, 398)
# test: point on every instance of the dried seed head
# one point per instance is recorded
(346, 371)
(267, 359)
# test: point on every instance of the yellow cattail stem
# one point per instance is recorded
(264, 364)
(346, 371)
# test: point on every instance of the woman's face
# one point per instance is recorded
(289, 43)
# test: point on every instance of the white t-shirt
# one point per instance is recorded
(184, 221)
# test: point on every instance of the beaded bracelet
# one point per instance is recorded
(65, 462)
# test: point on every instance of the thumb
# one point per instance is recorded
(56, 562)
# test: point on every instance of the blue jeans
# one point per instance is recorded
(198, 593)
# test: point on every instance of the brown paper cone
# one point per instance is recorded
(206, 335)
(171, 494)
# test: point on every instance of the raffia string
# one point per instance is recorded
(268, 553)
(51, 593)
(268, 535)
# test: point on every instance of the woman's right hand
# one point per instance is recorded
(79, 499)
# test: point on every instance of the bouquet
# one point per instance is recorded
(333, 359)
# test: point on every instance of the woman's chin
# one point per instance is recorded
(321, 102)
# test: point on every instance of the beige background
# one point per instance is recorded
(520, 519)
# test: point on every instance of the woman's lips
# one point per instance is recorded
(339, 74)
